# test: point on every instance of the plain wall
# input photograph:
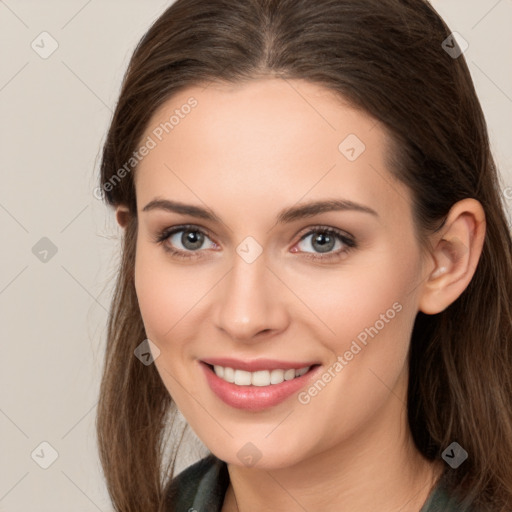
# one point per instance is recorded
(55, 112)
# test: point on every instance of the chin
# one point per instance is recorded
(254, 455)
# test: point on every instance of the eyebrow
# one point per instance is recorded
(285, 216)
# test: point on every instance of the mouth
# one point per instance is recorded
(257, 390)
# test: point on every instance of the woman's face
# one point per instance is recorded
(260, 279)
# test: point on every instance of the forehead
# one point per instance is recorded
(265, 141)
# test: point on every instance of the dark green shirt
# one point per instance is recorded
(202, 487)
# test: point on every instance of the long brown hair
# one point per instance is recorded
(386, 58)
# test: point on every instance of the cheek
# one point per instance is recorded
(166, 304)
(161, 295)
(370, 311)
(165, 291)
(154, 302)
(355, 298)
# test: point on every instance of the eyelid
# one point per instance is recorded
(323, 228)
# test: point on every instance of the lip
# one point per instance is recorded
(257, 364)
(256, 398)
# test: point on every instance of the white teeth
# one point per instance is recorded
(229, 375)
(261, 378)
(276, 376)
(258, 378)
(289, 374)
(242, 378)
(302, 371)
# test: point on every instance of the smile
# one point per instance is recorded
(256, 390)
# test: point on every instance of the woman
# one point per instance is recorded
(316, 267)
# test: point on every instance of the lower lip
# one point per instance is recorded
(255, 398)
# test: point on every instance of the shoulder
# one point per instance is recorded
(441, 500)
(200, 487)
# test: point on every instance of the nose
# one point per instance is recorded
(250, 305)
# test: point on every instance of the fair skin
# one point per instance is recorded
(245, 153)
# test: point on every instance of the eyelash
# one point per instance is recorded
(348, 242)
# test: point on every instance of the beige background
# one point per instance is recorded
(55, 113)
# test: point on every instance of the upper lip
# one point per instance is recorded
(256, 364)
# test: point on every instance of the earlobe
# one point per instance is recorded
(457, 250)
(122, 215)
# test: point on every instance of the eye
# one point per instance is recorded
(190, 238)
(324, 240)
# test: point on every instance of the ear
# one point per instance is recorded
(456, 251)
(122, 215)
